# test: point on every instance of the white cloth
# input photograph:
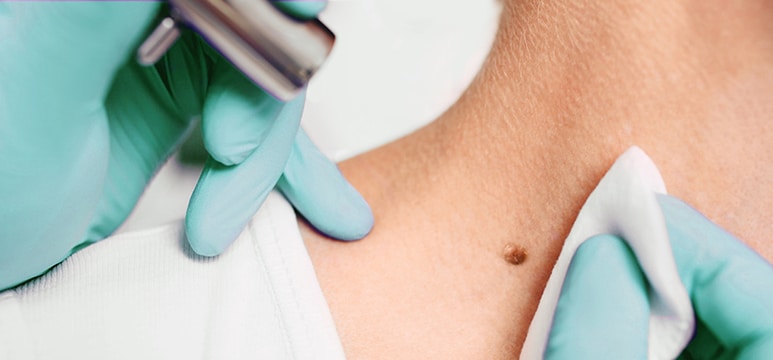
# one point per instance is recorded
(624, 204)
(146, 295)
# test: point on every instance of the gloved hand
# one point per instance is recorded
(83, 128)
(603, 311)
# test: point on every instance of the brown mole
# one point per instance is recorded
(514, 254)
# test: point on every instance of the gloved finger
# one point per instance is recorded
(303, 9)
(603, 312)
(731, 286)
(237, 115)
(315, 187)
(226, 197)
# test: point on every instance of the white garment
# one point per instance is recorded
(146, 295)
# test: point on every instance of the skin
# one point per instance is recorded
(567, 87)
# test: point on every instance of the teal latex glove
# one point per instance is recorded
(603, 310)
(83, 128)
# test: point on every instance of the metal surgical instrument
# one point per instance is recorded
(277, 52)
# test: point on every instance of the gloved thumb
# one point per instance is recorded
(603, 312)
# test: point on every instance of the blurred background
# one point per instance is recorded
(396, 65)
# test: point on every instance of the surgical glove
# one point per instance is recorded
(603, 312)
(83, 128)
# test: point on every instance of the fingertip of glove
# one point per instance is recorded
(352, 219)
(204, 248)
(232, 134)
(337, 210)
(600, 246)
(303, 10)
(234, 154)
(616, 255)
(362, 219)
(206, 240)
(358, 219)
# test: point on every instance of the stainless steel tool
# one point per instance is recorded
(279, 53)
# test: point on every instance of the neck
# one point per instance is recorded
(566, 89)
